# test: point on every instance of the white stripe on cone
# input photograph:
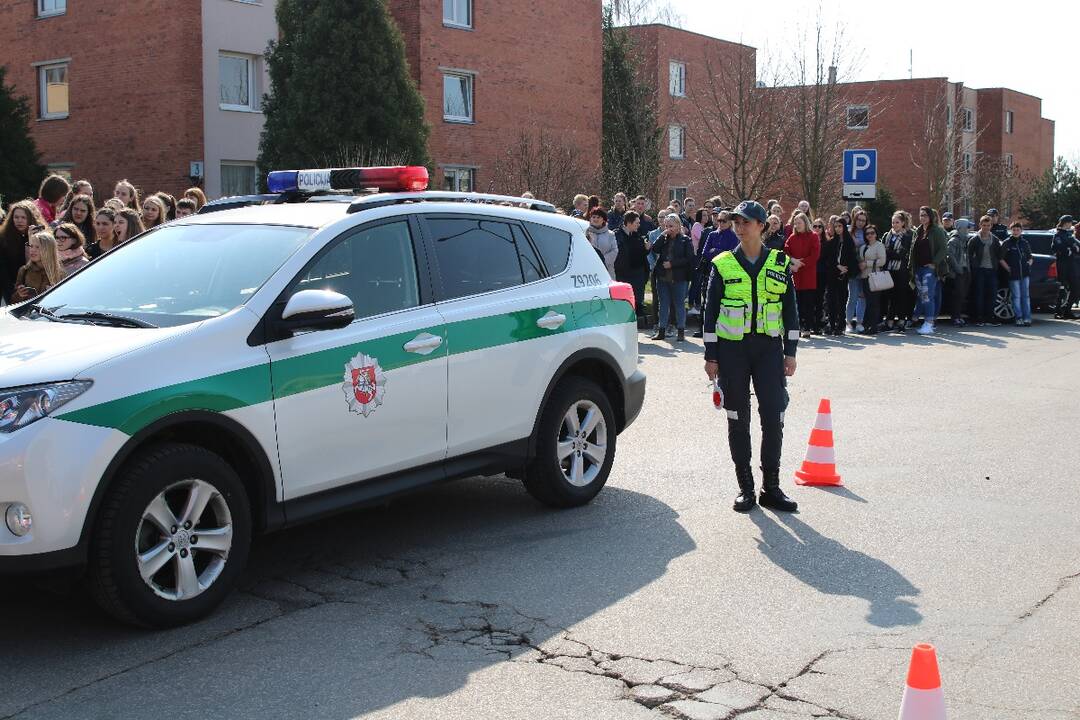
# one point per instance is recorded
(824, 422)
(823, 455)
(922, 704)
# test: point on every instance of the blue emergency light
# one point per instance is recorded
(403, 178)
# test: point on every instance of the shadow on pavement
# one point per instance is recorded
(830, 567)
(351, 614)
(842, 491)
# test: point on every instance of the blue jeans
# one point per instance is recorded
(856, 299)
(926, 294)
(667, 290)
(985, 293)
(1021, 298)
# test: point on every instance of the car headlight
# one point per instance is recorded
(21, 406)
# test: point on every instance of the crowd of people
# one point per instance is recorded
(45, 239)
(849, 275)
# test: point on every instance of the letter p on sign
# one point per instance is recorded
(860, 167)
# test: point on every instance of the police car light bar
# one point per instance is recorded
(402, 178)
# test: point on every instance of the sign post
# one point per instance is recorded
(860, 174)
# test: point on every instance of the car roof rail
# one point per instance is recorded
(385, 199)
(293, 196)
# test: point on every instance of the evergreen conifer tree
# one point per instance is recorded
(20, 169)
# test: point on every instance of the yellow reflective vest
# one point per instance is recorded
(737, 311)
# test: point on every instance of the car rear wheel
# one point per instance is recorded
(172, 539)
(575, 445)
(1003, 309)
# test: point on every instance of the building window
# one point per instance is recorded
(967, 117)
(236, 80)
(459, 179)
(457, 13)
(48, 8)
(858, 117)
(1009, 121)
(677, 74)
(53, 88)
(968, 207)
(676, 142)
(238, 178)
(677, 193)
(1008, 162)
(966, 157)
(948, 116)
(457, 97)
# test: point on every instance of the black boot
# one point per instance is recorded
(745, 501)
(681, 336)
(660, 334)
(771, 494)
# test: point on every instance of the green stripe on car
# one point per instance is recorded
(251, 386)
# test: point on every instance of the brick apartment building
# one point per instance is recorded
(142, 90)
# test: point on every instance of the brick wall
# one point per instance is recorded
(135, 88)
(537, 66)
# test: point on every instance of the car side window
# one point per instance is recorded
(553, 244)
(475, 255)
(374, 266)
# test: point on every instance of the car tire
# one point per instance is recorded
(162, 485)
(576, 426)
(1003, 309)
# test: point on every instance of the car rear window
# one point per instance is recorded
(553, 246)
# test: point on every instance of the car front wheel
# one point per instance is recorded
(575, 446)
(173, 536)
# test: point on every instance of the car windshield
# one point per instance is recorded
(178, 274)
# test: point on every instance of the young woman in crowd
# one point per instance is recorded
(872, 258)
(899, 302)
(104, 233)
(197, 195)
(153, 212)
(128, 225)
(836, 280)
(127, 194)
(774, 232)
(70, 248)
(674, 265)
(80, 212)
(804, 249)
(170, 205)
(81, 187)
(53, 189)
(14, 236)
(927, 256)
(41, 271)
(856, 302)
(116, 205)
(819, 228)
(847, 266)
(699, 233)
(615, 215)
(1016, 252)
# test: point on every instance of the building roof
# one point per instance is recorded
(670, 28)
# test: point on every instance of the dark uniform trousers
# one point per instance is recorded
(759, 358)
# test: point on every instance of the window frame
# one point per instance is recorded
(967, 161)
(239, 163)
(682, 141)
(857, 108)
(1010, 162)
(674, 191)
(677, 83)
(43, 92)
(253, 105)
(468, 24)
(42, 13)
(967, 116)
(446, 169)
(1010, 122)
(471, 77)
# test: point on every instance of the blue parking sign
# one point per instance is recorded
(860, 167)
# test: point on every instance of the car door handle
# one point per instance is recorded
(551, 321)
(423, 344)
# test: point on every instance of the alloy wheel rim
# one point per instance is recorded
(183, 540)
(582, 443)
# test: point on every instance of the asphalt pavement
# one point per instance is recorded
(958, 524)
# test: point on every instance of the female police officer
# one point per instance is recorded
(751, 332)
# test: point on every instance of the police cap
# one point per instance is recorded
(751, 211)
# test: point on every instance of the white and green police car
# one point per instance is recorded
(238, 371)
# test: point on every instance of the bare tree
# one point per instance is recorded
(996, 182)
(546, 166)
(643, 12)
(937, 149)
(740, 131)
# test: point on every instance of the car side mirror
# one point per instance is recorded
(316, 310)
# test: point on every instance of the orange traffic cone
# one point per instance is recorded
(819, 468)
(923, 698)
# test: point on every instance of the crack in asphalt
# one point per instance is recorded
(1062, 584)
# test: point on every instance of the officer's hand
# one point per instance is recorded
(667, 264)
(712, 369)
(789, 366)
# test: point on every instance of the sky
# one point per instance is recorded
(982, 44)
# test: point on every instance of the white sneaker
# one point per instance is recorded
(859, 328)
(926, 329)
(693, 312)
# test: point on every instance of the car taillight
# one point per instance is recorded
(1051, 272)
(622, 291)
